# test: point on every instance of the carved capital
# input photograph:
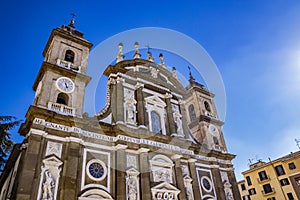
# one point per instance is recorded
(121, 147)
(138, 85)
(176, 156)
(168, 95)
(192, 160)
(143, 150)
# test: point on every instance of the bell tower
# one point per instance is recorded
(61, 81)
(202, 118)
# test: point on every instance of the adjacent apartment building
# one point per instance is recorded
(274, 180)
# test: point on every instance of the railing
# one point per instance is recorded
(61, 109)
(219, 148)
(272, 191)
(263, 180)
(210, 115)
(67, 65)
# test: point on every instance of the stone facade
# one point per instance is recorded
(154, 140)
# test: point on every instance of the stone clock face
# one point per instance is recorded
(214, 130)
(65, 84)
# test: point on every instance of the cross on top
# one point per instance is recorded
(72, 22)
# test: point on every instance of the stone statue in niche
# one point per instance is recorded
(130, 111)
(189, 193)
(228, 191)
(227, 186)
(130, 107)
(132, 191)
(177, 118)
(47, 186)
(154, 72)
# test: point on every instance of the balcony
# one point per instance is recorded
(61, 109)
(268, 192)
(263, 180)
(67, 65)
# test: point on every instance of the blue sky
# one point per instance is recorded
(254, 43)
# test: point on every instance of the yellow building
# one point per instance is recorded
(274, 180)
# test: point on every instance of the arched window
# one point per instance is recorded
(207, 106)
(216, 141)
(192, 112)
(62, 98)
(155, 122)
(69, 56)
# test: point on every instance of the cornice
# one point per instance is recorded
(59, 70)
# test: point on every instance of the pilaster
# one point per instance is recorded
(232, 180)
(120, 172)
(140, 106)
(119, 100)
(179, 177)
(196, 189)
(184, 119)
(145, 175)
(70, 171)
(171, 124)
(29, 168)
(217, 179)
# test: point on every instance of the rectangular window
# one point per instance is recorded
(292, 166)
(247, 197)
(284, 182)
(262, 175)
(252, 191)
(297, 181)
(267, 188)
(248, 180)
(290, 196)
(279, 170)
(271, 198)
(243, 187)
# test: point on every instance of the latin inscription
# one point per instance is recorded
(119, 137)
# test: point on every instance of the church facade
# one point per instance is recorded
(154, 139)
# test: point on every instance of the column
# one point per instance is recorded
(145, 174)
(195, 183)
(140, 106)
(119, 100)
(179, 177)
(170, 123)
(120, 172)
(113, 98)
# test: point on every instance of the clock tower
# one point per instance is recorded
(62, 79)
(203, 119)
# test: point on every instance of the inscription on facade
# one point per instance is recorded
(89, 134)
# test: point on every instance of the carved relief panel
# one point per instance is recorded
(162, 169)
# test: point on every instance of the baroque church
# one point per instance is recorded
(154, 139)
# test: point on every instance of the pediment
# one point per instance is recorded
(155, 100)
(132, 171)
(165, 187)
(52, 160)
